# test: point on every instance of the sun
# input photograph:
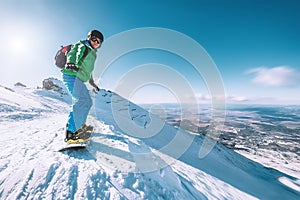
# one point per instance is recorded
(19, 45)
(20, 37)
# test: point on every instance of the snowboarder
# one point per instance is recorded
(77, 71)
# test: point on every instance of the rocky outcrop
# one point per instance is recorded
(20, 84)
(54, 85)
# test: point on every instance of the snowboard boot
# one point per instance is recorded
(82, 135)
(71, 138)
(84, 132)
(69, 135)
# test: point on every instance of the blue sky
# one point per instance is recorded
(254, 44)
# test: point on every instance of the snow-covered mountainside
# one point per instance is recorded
(268, 134)
(122, 161)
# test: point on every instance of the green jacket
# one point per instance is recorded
(86, 64)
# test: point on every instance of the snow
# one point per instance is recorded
(122, 161)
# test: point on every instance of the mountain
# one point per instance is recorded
(132, 155)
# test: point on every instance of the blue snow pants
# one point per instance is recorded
(81, 102)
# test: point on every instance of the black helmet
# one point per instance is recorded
(95, 33)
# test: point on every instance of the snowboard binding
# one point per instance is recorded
(82, 135)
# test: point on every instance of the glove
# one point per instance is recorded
(72, 67)
(96, 89)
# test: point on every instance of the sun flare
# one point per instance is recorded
(19, 45)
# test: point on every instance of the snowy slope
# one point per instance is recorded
(119, 163)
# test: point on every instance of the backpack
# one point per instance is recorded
(61, 55)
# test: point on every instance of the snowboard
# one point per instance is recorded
(75, 146)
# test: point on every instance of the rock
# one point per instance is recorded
(20, 84)
(54, 85)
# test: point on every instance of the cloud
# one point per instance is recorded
(255, 100)
(206, 98)
(236, 99)
(203, 97)
(276, 76)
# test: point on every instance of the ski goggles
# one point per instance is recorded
(95, 39)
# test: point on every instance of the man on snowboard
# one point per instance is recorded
(78, 70)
